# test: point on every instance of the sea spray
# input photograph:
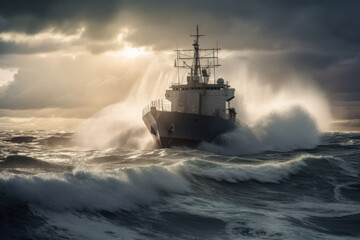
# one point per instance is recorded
(124, 188)
(269, 172)
(271, 125)
(278, 131)
(118, 125)
(259, 94)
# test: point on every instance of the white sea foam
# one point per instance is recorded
(271, 172)
(118, 125)
(120, 189)
(278, 131)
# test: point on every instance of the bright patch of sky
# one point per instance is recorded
(7, 76)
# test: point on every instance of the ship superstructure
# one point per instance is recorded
(199, 109)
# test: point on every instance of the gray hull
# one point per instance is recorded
(184, 129)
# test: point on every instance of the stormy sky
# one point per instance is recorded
(61, 61)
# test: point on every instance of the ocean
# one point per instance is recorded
(51, 189)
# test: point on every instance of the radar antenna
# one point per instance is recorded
(198, 65)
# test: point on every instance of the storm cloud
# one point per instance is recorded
(316, 41)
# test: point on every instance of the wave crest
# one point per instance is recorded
(120, 189)
(269, 172)
(278, 131)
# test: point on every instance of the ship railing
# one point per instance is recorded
(159, 105)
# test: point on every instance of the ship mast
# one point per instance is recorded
(199, 69)
(196, 51)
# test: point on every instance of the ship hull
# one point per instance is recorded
(184, 129)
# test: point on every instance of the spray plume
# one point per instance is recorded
(275, 120)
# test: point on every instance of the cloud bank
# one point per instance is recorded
(62, 49)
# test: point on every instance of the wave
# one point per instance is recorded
(12, 161)
(121, 189)
(127, 188)
(269, 172)
(273, 172)
(65, 141)
(21, 161)
(278, 131)
(21, 139)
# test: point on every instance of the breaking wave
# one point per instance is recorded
(278, 131)
(268, 172)
(128, 188)
(121, 189)
(76, 193)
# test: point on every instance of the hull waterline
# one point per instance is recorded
(184, 129)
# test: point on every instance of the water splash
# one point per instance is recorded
(277, 131)
(285, 119)
(120, 125)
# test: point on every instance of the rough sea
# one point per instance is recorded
(51, 189)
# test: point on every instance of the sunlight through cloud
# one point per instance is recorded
(130, 52)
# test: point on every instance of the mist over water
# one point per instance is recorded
(117, 125)
(280, 120)
(279, 131)
(120, 124)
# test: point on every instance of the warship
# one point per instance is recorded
(196, 111)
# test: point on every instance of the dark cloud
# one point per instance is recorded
(269, 25)
(239, 24)
(312, 40)
(66, 16)
(26, 48)
(330, 26)
(343, 76)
